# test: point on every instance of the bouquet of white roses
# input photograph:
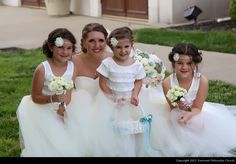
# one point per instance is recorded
(153, 66)
(59, 85)
(176, 94)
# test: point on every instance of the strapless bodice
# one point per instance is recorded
(88, 84)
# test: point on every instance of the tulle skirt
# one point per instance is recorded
(163, 141)
(119, 132)
(210, 133)
(98, 127)
(79, 121)
(42, 130)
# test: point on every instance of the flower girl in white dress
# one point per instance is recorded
(201, 128)
(40, 115)
(117, 103)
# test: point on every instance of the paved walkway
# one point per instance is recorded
(29, 27)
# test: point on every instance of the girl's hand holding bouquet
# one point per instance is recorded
(176, 96)
(59, 85)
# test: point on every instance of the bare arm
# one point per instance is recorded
(37, 86)
(200, 99)
(103, 85)
(135, 92)
(166, 87)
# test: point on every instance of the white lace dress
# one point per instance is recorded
(117, 123)
(210, 133)
(42, 131)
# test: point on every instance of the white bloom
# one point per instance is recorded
(155, 58)
(59, 84)
(176, 94)
(176, 57)
(144, 61)
(153, 66)
(59, 42)
(114, 41)
(139, 58)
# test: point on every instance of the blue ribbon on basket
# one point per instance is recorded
(146, 120)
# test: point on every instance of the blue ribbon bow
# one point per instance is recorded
(146, 120)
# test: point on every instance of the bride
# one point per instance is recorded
(79, 114)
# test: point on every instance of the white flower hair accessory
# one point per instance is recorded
(114, 41)
(176, 57)
(59, 42)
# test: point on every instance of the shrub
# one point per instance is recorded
(232, 10)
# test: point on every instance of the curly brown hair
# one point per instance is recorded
(186, 49)
(58, 32)
(120, 33)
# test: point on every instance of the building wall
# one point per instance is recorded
(11, 2)
(159, 11)
(86, 7)
(153, 11)
(211, 9)
(165, 13)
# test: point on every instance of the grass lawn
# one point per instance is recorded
(221, 41)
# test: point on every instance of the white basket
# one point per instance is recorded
(131, 127)
(137, 112)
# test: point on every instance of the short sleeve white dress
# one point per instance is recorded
(116, 122)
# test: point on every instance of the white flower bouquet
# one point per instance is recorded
(176, 94)
(153, 66)
(59, 85)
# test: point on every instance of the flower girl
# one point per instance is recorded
(118, 104)
(201, 128)
(40, 114)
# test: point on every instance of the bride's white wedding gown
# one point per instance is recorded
(79, 117)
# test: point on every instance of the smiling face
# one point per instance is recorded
(95, 43)
(63, 53)
(184, 67)
(122, 50)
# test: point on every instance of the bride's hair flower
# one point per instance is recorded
(176, 94)
(114, 42)
(59, 42)
(176, 57)
(153, 66)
